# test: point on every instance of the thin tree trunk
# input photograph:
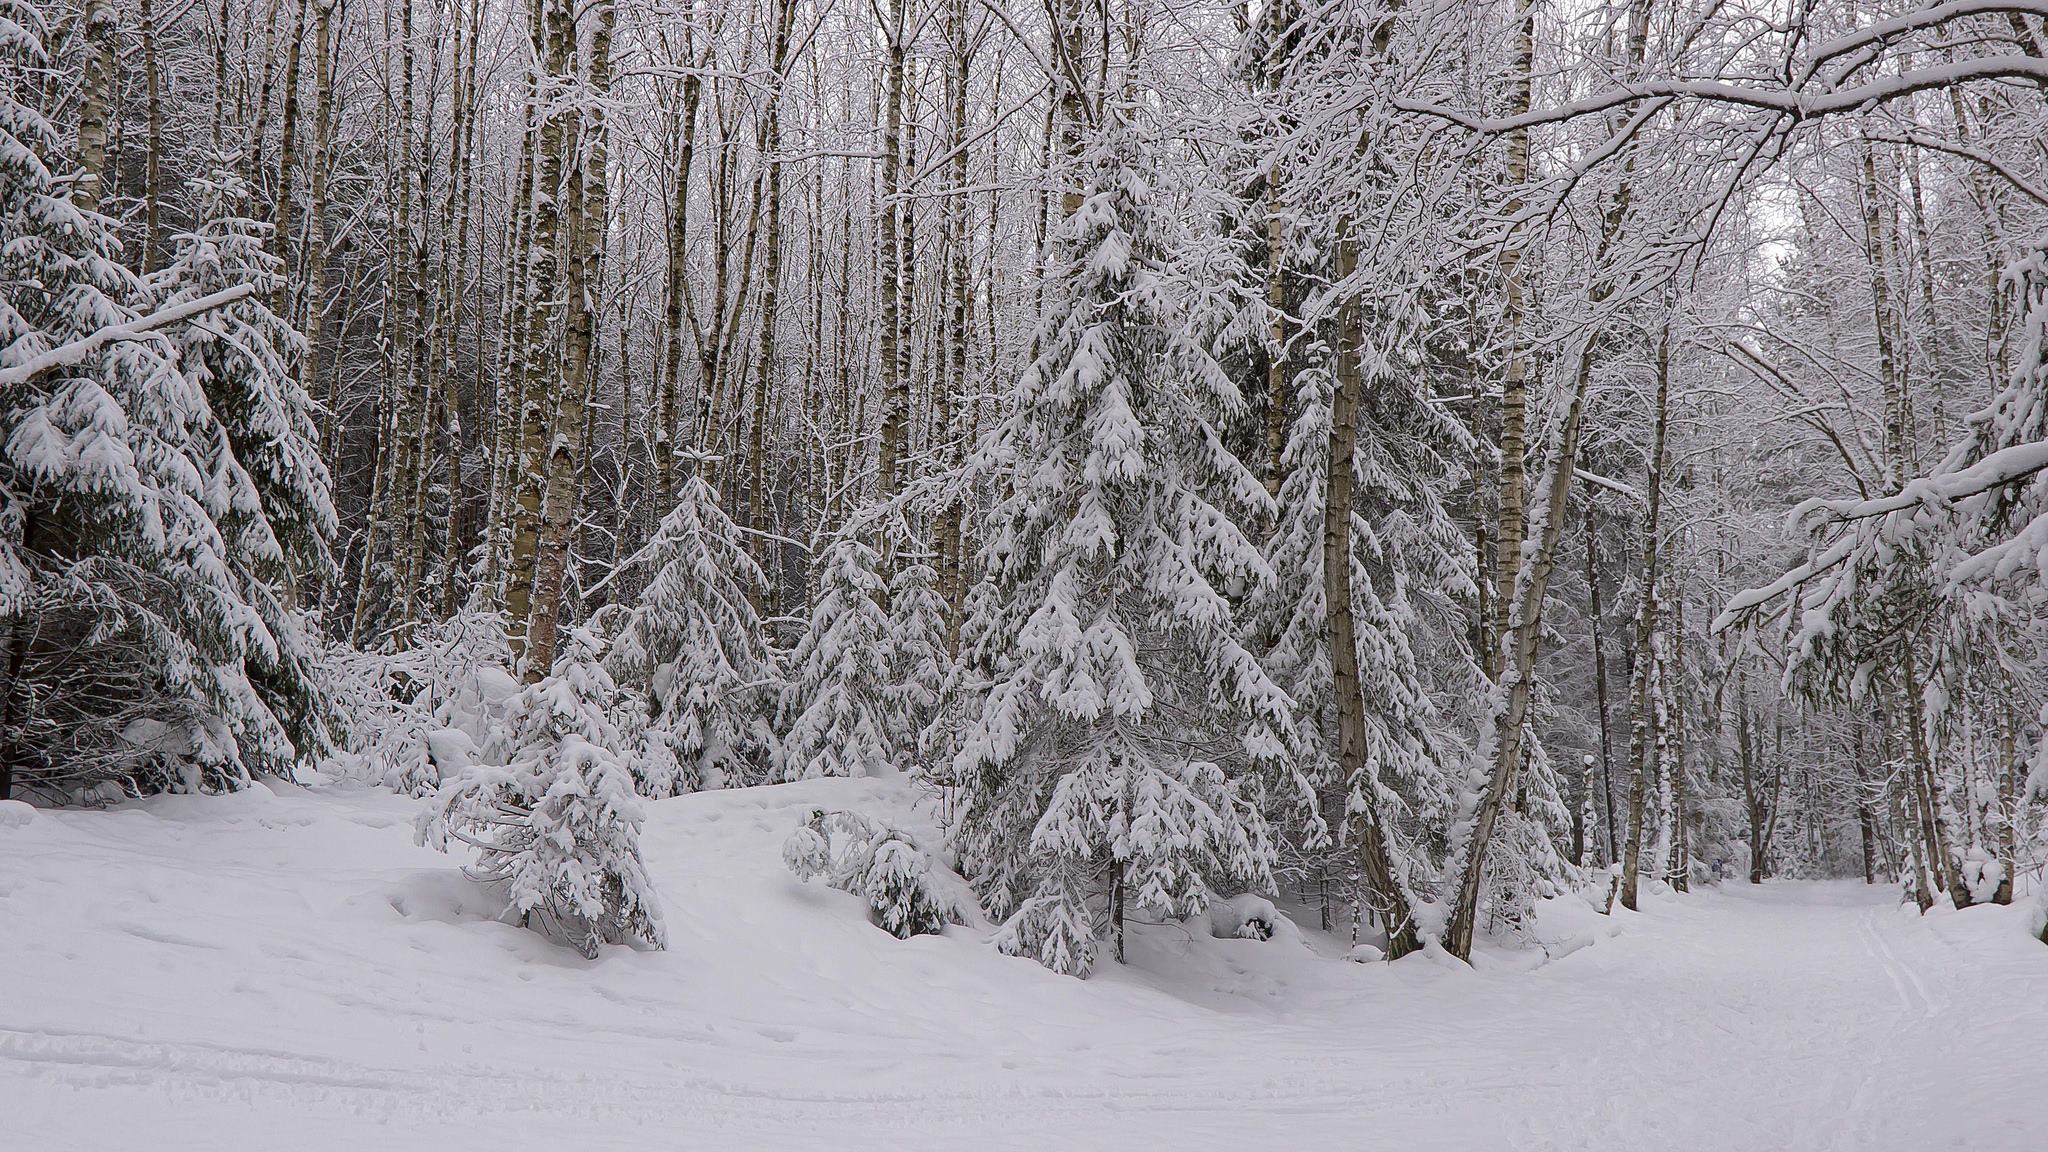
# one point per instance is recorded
(666, 425)
(1375, 851)
(316, 247)
(1523, 614)
(152, 167)
(1927, 791)
(1599, 624)
(895, 341)
(766, 378)
(958, 335)
(288, 138)
(1642, 722)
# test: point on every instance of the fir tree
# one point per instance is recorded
(835, 714)
(127, 631)
(696, 645)
(918, 664)
(553, 816)
(1111, 767)
(241, 356)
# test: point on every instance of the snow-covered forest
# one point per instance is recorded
(734, 522)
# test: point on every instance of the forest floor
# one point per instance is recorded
(285, 969)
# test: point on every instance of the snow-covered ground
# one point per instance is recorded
(281, 969)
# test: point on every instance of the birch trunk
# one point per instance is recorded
(1643, 737)
(895, 343)
(585, 249)
(95, 102)
(540, 373)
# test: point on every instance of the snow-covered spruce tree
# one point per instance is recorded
(1401, 769)
(1110, 770)
(858, 854)
(835, 712)
(126, 632)
(918, 663)
(241, 356)
(696, 646)
(553, 815)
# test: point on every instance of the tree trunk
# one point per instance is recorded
(280, 302)
(953, 390)
(543, 375)
(1599, 624)
(585, 251)
(1512, 518)
(1942, 870)
(1752, 796)
(895, 341)
(766, 379)
(316, 248)
(1643, 739)
(1375, 851)
(95, 103)
(1522, 615)
(152, 167)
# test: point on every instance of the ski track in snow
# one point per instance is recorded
(285, 970)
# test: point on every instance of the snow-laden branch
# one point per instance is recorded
(76, 350)
(2000, 469)
(1792, 102)
(1612, 485)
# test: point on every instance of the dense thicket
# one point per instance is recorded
(1417, 456)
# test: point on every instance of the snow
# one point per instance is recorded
(285, 968)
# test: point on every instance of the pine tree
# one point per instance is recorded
(125, 646)
(696, 645)
(1111, 766)
(835, 713)
(553, 816)
(918, 664)
(242, 358)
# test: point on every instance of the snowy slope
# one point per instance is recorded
(285, 969)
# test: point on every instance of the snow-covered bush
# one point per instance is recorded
(855, 853)
(422, 714)
(553, 815)
(1245, 917)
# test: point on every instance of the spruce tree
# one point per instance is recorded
(553, 815)
(126, 631)
(834, 709)
(1111, 769)
(918, 663)
(241, 357)
(696, 645)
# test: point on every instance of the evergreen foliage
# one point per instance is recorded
(1111, 766)
(835, 709)
(696, 646)
(144, 644)
(553, 815)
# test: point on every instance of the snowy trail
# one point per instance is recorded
(289, 971)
